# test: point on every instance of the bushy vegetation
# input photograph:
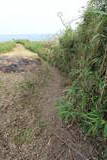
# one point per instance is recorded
(6, 46)
(83, 55)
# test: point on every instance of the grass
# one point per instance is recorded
(7, 46)
(26, 135)
(82, 55)
(29, 90)
(22, 93)
(23, 136)
(41, 48)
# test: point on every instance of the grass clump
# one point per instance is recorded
(7, 46)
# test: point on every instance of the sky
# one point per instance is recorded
(37, 16)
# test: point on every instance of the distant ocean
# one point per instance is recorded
(32, 37)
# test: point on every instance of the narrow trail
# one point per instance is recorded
(30, 128)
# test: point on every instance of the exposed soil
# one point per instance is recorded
(30, 128)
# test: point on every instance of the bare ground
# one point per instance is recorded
(30, 128)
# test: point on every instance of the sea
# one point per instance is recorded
(31, 37)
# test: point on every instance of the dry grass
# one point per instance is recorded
(19, 96)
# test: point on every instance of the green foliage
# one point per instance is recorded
(62, 54)
(105, 131)
(100, 4)
(6, 46)
(83, 55)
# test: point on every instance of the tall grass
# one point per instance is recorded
(6, 46)
(82, 54)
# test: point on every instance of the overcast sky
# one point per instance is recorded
(36, 16)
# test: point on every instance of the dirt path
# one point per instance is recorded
(29, 125)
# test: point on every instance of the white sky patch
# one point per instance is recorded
(36, 16)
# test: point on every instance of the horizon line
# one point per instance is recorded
(27, 33)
